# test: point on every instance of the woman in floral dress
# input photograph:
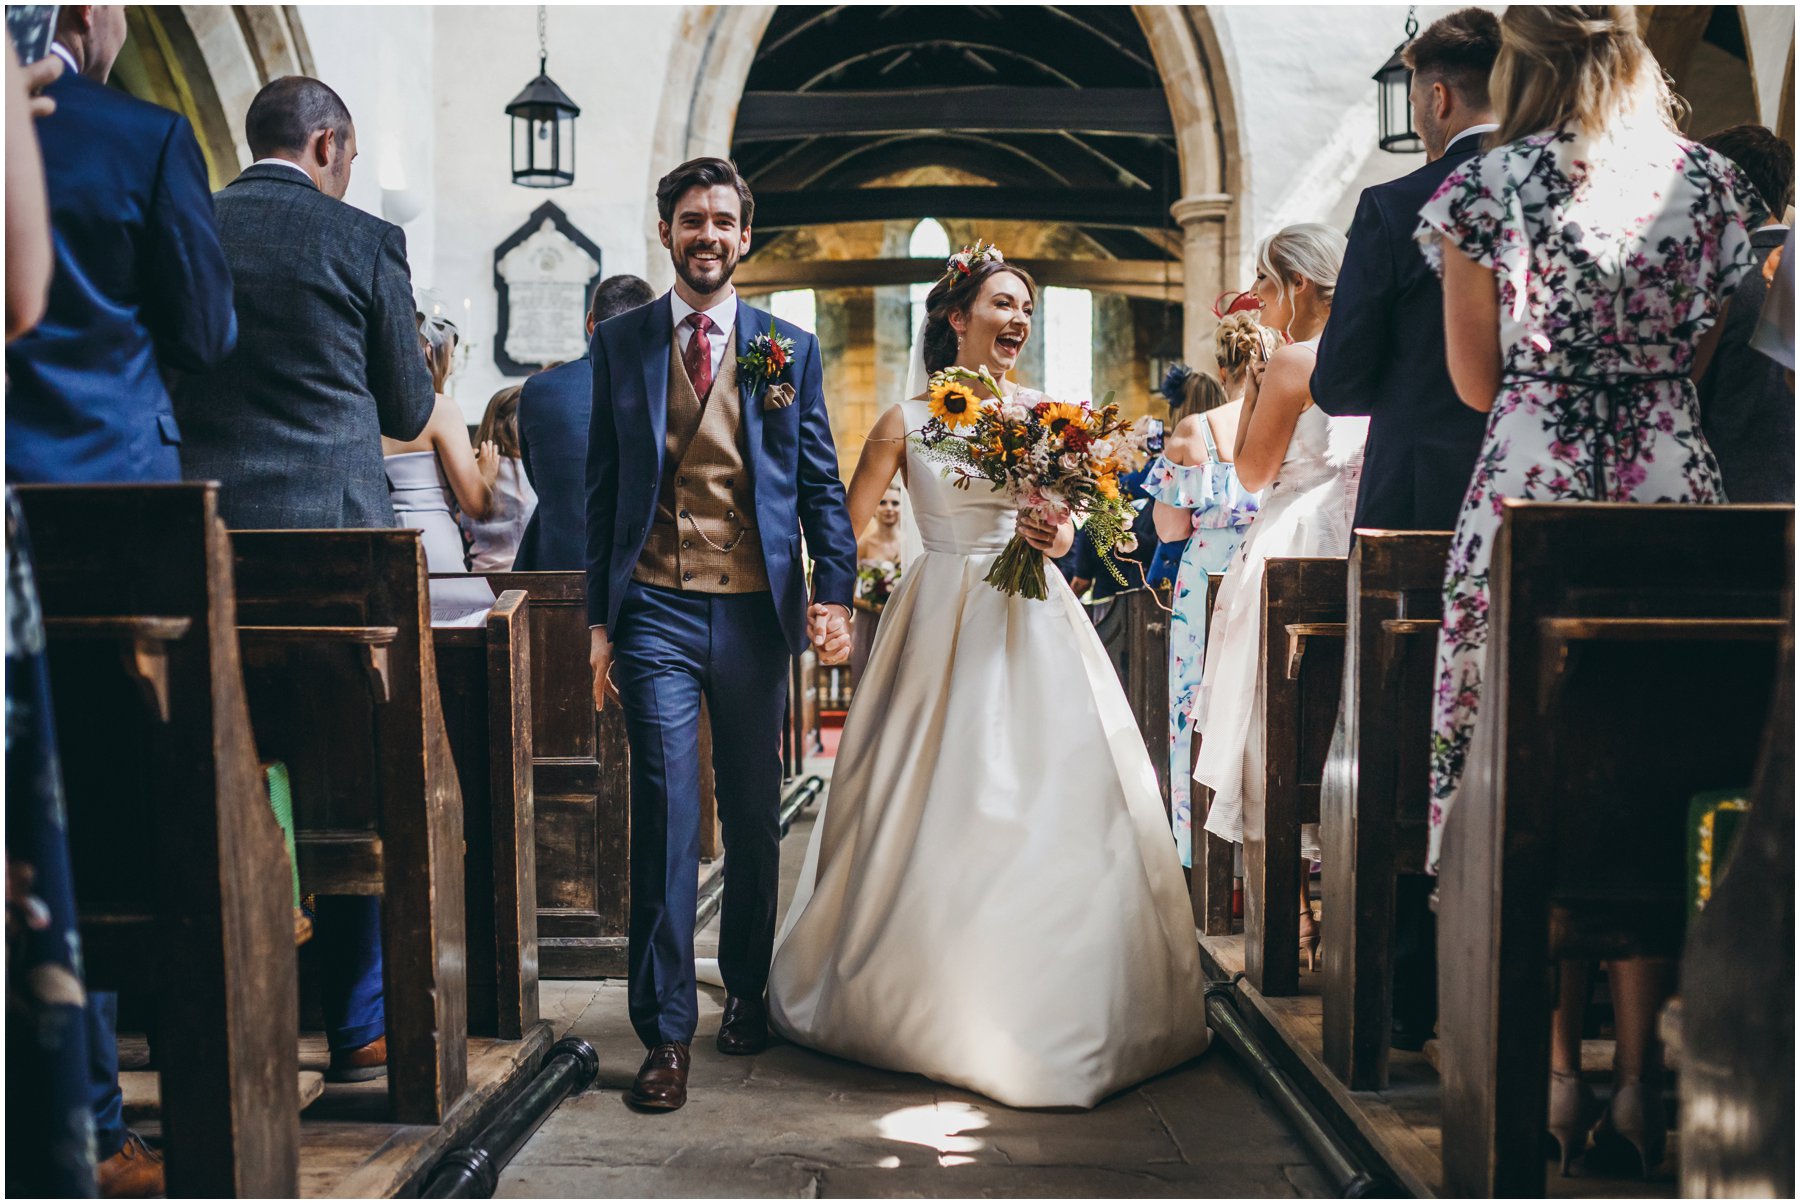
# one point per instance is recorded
(1586, 260)
(1199, 500)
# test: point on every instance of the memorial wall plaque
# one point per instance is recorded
(544, 272)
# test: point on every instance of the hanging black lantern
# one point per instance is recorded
(543, 129)
(1394, 83)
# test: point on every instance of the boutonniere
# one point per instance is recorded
(768, 357)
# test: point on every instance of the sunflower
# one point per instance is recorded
(953, 402)
(1061, 415)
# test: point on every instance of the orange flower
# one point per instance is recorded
(1109, 487)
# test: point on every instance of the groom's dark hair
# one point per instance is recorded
(703, 172)
(1458, 49)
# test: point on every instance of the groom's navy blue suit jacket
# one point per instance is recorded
(790, 455)
(1383, 355)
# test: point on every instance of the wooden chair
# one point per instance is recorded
(334, 627)
(1375, 794)
(484, 683)
(1303, 666)
(580, 786)
(181, 875)
(1633, 654)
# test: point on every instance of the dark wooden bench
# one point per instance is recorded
(1633, 658)
(800, 736)
(1302, 666)
(1134, 628)
(342, 676)
(580, 786)
(181, 875)
(1375, 795)
(484, 684)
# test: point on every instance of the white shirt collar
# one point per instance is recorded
(62, 52)
(1474, 131)
(285, 163)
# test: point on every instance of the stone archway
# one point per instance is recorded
(711, 63)
(207, 62)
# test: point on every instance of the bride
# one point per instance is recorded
(991, 897)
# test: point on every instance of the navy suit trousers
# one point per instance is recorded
(670, 650)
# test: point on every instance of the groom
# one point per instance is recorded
(702, 473)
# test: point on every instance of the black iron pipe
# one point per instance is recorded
(472, 1171)
(1349, 1177)
(798, 799)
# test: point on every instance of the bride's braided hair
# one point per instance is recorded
(955, 293)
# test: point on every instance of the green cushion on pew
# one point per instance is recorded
(1713, 820)
(281, 801)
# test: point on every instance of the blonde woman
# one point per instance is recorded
(1302, 462)
(1586, 259)
(1199, 501)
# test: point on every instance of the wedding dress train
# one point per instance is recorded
(991, 897)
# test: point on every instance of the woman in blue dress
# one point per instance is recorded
(1198, 499)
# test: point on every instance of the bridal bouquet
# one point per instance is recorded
(1055, 459)
(875, 582)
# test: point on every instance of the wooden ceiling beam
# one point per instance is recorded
(1077, 206)
(764, 116)
(1151, 279)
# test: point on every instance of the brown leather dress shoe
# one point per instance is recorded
(359, 1065)
(134, 1173)
(744, 1028)
(661, 1084)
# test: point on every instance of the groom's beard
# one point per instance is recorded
(706, 279)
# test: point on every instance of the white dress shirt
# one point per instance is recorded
(289, 163)
(1474, 131)
(723, 316)
(62, 52)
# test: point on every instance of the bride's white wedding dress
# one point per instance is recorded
(995, 900)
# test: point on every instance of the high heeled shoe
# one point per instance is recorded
(1634, 1119)
(1572, 1111)
(1311, 930)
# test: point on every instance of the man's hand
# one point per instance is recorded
(600, 660)
(37, 77)
(828, 630)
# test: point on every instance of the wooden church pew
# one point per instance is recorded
(1302, 665)
(580, 787)
(181, 875)
(1634, 653)
(334, 627)
(1373, 804)
(1133, 625)
(484, 684)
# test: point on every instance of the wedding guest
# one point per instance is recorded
(1746, 400)
(1200, 503)
(553, 423)
(327, 362)
(1560, 250)
(1383, 353)
(140, 291)
(1774, 335)
(878, 564)
(328, 353)
(49, 1143)
(1299, 459)
(494, 541)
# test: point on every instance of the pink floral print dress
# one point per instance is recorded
(1612, 258)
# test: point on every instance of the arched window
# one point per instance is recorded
(929, 241)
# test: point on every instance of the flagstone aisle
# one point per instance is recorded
(797, 1124)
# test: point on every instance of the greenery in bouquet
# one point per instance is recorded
(875, 582)
(1056, 459)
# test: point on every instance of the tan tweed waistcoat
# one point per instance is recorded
(704, 536)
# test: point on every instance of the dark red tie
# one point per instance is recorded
(698, 358)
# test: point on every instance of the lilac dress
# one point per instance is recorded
(1221, 512)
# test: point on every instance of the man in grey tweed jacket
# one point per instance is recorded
(328, 357)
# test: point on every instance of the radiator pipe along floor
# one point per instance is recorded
(1349, 1178)
(472, 1171)
(798, 799)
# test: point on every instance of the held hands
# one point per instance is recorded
(600, 660)
(828, 630)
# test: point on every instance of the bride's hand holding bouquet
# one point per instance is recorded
(1054, 459)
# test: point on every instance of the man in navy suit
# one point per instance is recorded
(702, 475)
(1382, 353)
(140, 290)
(553, 427)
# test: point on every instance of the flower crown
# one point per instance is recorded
(963, 262)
